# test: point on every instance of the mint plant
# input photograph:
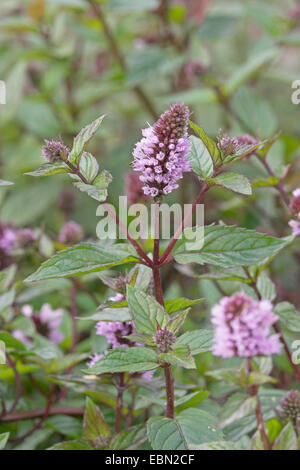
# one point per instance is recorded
(143, 329)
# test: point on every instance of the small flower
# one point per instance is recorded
(134, 188)
(26, 237)
(114, 332)
(161, 154)
(117, 298)
(295, 226)
(231, 145)
(21, 336)
(70, 233)
(49, 321)
(290, 405)
(164, 339)
(242, 327)
(8, 238)
(54, 151)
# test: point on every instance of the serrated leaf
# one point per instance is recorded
(227, 246)
(191, 400)
(198, 341)
(173, 305)
(82, 139)
(209, 143)
(81, 259)
(232, 181)
(145, 311)
(135, 359)
(289, 316)
(199, 156)
(191, 427)
(177, 321)
(287, 439)
(129, 439)
(95, 429)
(88, 166)
(179, 355)
(266, 287)
(49, 169)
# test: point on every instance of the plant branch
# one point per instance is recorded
(39, 412)
(180, 229)
(120, 388)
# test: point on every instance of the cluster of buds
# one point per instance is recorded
(54, 151)
(70, 233)
(164, 339)
(231, 145)
(11, 239)
(290, 405)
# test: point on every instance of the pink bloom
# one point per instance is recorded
(117, 298)
(70, 233)
(160, 156)
(295, 202)
(114, 332)
(242, 327)
(51, 320)
(21, 336)
(54, 151)
(295, 226)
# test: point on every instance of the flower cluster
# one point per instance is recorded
(47, 323)
(54, 151)
(242, 327)
(161, 154)
(164, 339)
(290, 405)
(295, 209)
(231, 145)
(115, 331)
(10, 240)
(70, 233)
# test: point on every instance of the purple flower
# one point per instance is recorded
(8, 238)
(114, 332)
(161, 154)
(231, 145)
(295, 202)
(70, 233)
(54, 151)
(21, 336)
(164, 339)
(242, 327)
(295, 226)
(50, 320)
(134, 188)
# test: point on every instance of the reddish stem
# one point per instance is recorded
(180, 229)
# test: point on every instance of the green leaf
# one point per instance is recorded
(191, 400)
(218, 445)
(77, 444)
(135, 359)
(88, 166)
(97, 190)
(198, 341)
(227, 246)
(287, 439)
(95, 429)
(10, 341)
(5, 183)
(177, 321)
(266, 287)
(2, 353)
(7, 299)
(191, 427)
(289, 316)
(129, 439)
(81, 259)
(49, 169)
(82, 139)
(233, 181)
(3, 440)
(179, 355)
(180, 303)
(209, 143)
(199, 156)
(145, 311)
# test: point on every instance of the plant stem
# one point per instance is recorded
(39, 412)
(180, 229)
(120, 388)
(116, 52)
(278, 186)
(112, 213)
(13, 366)
(169, 380)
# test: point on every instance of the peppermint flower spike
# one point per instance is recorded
(242, 327)
(160, 156)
